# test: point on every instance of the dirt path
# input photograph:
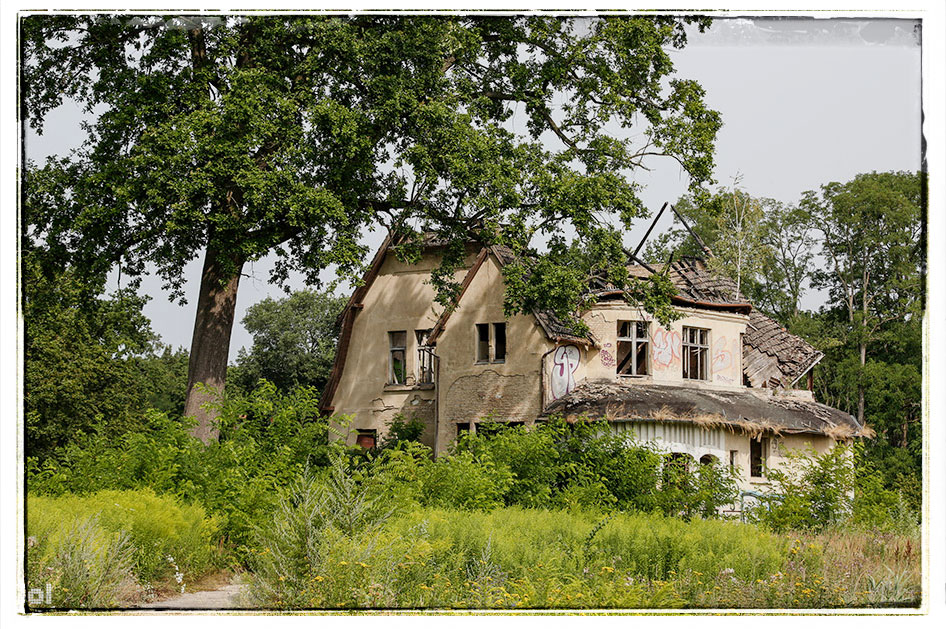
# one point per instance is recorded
(225, 597)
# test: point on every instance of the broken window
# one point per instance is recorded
(707, 459)
(633, 348)
(490, 342)
(425, 358)
(366, 439)
(397, 361)
(482, 342)
(758, 451)
(463, 427)
(695, 353)
(499, 342)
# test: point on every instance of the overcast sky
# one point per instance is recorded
(803, 102)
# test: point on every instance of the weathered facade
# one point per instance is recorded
(717, 383)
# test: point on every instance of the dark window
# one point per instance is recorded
(633, 343)
(425, 358)
(490, 342)
(482, 342)
(462, 428)
(499, 342)
(366, 439)
(707, 459)
(732, 459)
(397, 364)
(758, 450)
(695, 352)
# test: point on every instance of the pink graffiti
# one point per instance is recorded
(725, 356)
(722, 357)
(666, 348)
(607, 358)
(564, 363)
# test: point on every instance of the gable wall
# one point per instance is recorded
(470, 391)
(400, 298)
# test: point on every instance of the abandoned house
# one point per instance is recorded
(718, 384)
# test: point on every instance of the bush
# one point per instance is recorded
(811, 491)
(267, 440)
(461, 481)
(161, 531)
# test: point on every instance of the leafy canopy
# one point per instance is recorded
(242, 135)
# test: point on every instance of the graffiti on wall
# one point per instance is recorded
(607, 355)
(725, 357)
(666, 348)
(564, 364)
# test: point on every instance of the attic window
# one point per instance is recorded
(695, 353)
(499, 342)
(397, 357)
(633, 344)
(490, 342)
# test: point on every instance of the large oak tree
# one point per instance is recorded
(237, 136)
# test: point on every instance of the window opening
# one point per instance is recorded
(695, 352)
(366, 439)
(425, 358)
(633, 348)
(482, 342)
(397, 362)
(499, 342)
(758, 450)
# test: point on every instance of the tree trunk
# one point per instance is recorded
(210, 346)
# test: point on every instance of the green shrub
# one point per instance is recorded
(400, 430)
(161, 531)
(461, 481)
(810, 491)
(267, 439)
(528, 453)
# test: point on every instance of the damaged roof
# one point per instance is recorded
(736, 410)
(769, 351)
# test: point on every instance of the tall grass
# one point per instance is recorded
(159, 532)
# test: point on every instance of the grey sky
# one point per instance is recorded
(803, 101)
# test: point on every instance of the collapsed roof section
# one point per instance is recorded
(745, 411)
(770, 353)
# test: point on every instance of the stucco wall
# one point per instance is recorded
(400, 298)
(725, 354)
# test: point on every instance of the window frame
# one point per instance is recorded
(425, 358)
(494, 342)
(491, 342)
(758, 463)
(703, 351)
(392, 348)
(635, 341)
